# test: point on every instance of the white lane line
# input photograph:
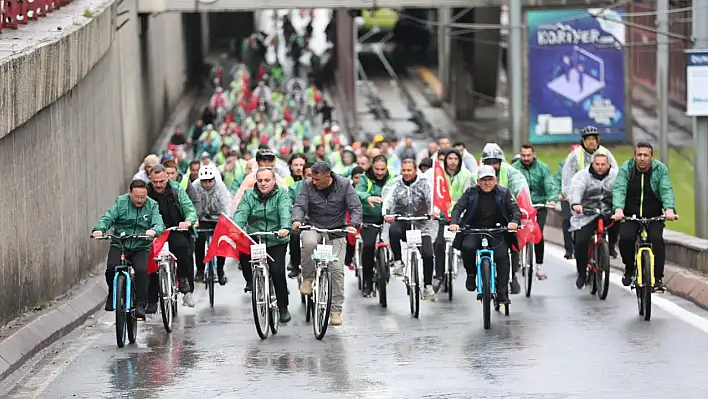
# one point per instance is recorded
(616, 279)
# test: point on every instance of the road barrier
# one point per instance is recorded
(14, 13)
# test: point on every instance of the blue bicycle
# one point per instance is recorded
(486, 274)
(124, 291)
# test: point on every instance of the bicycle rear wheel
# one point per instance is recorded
(131, 322)
(449, 274)
(175, 291)
(210, 281)
(121, 313)
(647, 287)
(259, 303)
(358, 267)
(527, 268)
(486, 293)
(381, 275)
(165, 298)
(414, 297)
(322, 297)
(602, 275)
(273, 309)
(303, 299)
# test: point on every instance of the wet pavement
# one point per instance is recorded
(560, 343)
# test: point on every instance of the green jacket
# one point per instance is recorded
(540, 180)
(660, 184)
(294, 190)
(253, 214)
(367, 188)
(558, 177)
(124, 217)
(186, 207)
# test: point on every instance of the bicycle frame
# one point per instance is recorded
(644, 246)
(486, 253)
(127, 271)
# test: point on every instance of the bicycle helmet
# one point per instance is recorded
(492, 152)
(265, 154)
(589, 131)
(207, 172)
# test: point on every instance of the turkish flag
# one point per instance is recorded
(229, 240)
(155, 249)
(441, 192)
(531, 231)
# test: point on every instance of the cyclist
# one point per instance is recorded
(508, 177)
(266, 207)
(411, 195)
(215, 199)
(483, 206)
(590, 188)
(543, 190)
(173, 174)
(643, 188)
(325, 199)
(357, 172)
(565, 209)
(468, 160)
(459, 179)
(149, 161)
(265, 158)
(294, 191)
(369, 189)
(580, 157)
(296, 163)
(132, 213)
(177, 210)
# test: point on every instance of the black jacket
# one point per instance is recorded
(466, 206)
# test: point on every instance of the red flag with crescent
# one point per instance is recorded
(229, 241)
(441, 191)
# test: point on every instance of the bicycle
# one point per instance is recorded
(598, 274)
(643, 282)
(124, 291)
(382, 271)
(526, 256)
(266, 314)
(209, 268)
(487, 273)
(319, 303)
(357, 259)
(167, 274)
(412, 276)
(454, 259)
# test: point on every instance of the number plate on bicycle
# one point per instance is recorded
(258, 252)
(414, 237)
(322, 252)
(449, 235)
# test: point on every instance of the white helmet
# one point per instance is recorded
(207, 172)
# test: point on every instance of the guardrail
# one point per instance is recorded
(14, 13)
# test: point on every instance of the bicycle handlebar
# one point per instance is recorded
(409, 218)
(263, 233)
(324, 230)
(634, 218)
(489, 230)
(372, 225)
(107, 236)
(537, 206)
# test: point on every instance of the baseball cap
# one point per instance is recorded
(486, 171)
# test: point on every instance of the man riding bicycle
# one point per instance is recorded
(325, 199)
(411, 195)
(484, 206)
(369, 189)
(643, 188)
(591, 188)
(178, 211)
(132, 213)
(215, 199)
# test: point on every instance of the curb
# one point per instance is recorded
(677, 280)
(50, 326)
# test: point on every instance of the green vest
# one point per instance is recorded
(580, 154)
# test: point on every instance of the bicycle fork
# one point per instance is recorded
(639, 271)
(481, 255)
(128, 288)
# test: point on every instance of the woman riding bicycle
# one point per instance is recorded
(267, 207)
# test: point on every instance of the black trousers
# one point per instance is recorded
(349, 254)
(295, 253)
(397, 233)
(628, 233)
(439, 248)
(139, 260)
(368, 254)
(181, 247)
(277, 271)
(567, 235)
(582, 243)
(539, 248)
(470, 245)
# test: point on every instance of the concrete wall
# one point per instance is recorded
(64, 165)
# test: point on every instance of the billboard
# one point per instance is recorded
(576, 74)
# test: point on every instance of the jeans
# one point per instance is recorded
(397, 234)
(471, 243)
(310, 239)
(277, 271)
(139, 260)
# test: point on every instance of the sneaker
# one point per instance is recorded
(397, 268)
(613, 253)
(140, 312)
(437, 283)
(515, 287)
(471, 283)
(539, 272)
(627, 276)
(580, 281)
(109, 303)
(659, 286)
(223, 279)
(306, 287)
(151, 308)
(568, 255)
(284, 315)
(183, 285)
(199, 277)
(429, 293)
(294, 272)
(247, 288)
(188, 300)
(367, 292)
(336, 318)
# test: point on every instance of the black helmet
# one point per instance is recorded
(589, 131)
(265, 154)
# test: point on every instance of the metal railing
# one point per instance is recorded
(15, 13)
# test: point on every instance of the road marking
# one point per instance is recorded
(616, 279)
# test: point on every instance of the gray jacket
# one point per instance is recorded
(213, 202)
(328, 212)
(578, 160)
(591, 193)
(192, 194)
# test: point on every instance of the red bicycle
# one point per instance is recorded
(598, 274)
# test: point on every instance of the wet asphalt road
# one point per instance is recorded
(560, 343)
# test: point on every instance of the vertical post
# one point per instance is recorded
(444, 17)
(515, 53)
(700, 132)
(662, 77)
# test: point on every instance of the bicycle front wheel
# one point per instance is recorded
(273, 310)
(259, 302)
(602, 275)
(165, 298)
(210, 282)
(131, 321)
(414, 297)
(647, 287)
(450, 274)
(322, 301)
(120, 309)
(486, 293)
(527, 268)
(381, 275)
